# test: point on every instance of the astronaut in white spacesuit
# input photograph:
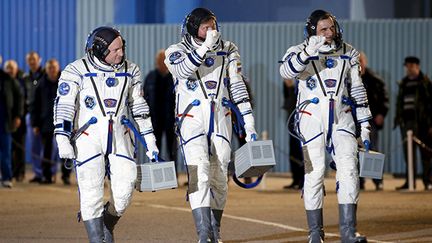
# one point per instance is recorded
(206, 70)
(102, 85)
(328, 72)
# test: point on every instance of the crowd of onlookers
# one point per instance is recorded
(26, 127)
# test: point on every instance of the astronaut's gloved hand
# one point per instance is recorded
(152, 150)
(314, 44)
(364, 134)
(66, 150)
(251, 134)
(211, 38)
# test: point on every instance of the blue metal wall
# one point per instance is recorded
(46, 26)
(173, 11)
(275, 10)
(88, 16)
(261, 45)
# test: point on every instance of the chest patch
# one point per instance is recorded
(330, 63)
(191, 84)
(90, 102)
(209, 61)
(111, 82)
(211, 84)
(311, 83)
(109, 103)
(330, 83)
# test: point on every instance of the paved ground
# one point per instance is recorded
(47, 213)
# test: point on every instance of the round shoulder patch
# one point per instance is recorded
(174, 56)
(63, 88)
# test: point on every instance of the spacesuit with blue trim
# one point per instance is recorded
(93, 87)
(329, 78)
(207, 69)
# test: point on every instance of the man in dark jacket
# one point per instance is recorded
(42, 118)
(413, 112)
(378, 105)
(18, 145)
(11, 109)
(32, 78)
(295, 150)
(159, 94)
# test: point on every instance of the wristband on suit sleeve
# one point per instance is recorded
(64, 128)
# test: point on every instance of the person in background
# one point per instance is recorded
(378, 105)
(18, 137)
(42, 119)
(160, 96)
(11, 110)
(413, 112)
(32, 78)
(295, 151)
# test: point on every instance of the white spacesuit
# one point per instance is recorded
(96, 86)
(207, 69)
(328, 73)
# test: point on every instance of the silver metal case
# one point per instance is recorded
(254, 158)
(371, 164)
(156, 176)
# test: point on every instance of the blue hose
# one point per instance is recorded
(128, 123)
(240, 126)
(247, 186)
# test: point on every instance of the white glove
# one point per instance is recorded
(251, 134)
(152, 150)
(211, 38)
(314, 44)
(364, 134)
(66, 150)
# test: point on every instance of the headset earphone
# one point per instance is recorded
(184, 27)
(310, 28)
(96, 46)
